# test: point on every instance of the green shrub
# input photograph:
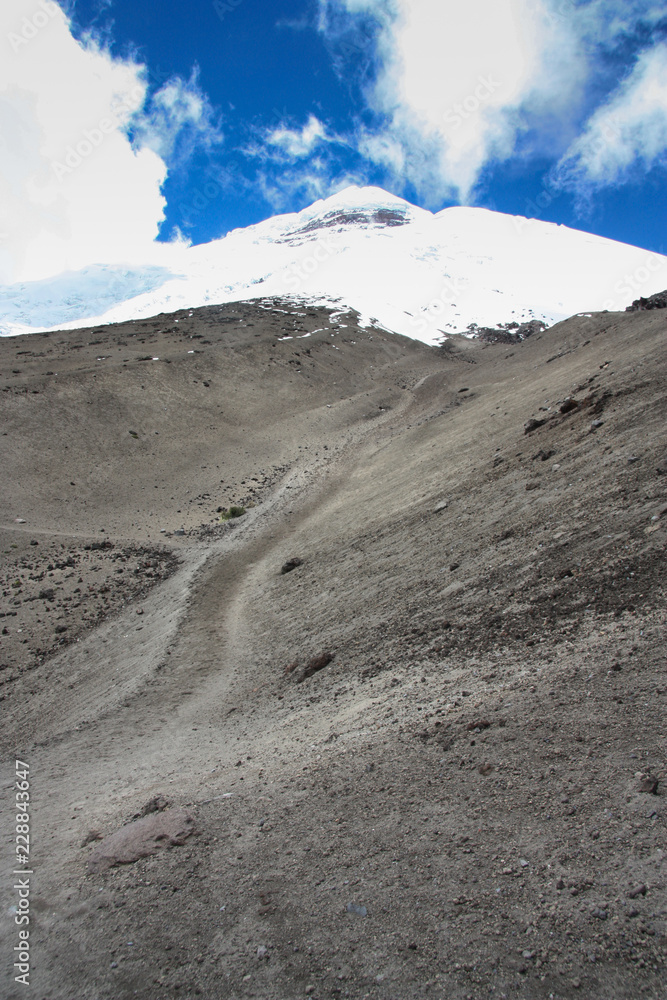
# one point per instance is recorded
(227, 515)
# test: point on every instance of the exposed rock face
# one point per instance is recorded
(657, 301)
(506, 333)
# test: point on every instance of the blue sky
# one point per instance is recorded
(220, 114)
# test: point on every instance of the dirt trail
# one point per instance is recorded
(453, 806)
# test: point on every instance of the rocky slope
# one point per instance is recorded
(465, 796)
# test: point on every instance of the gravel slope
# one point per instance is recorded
(454, 805)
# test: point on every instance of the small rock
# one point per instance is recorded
(454, 566)
(157, 804)
(597, 911)
(569, 405)
(560, 884)
(576, 983)
(140, 611)
(532, 425)
(359, 911)
(479, 726)
(649, 785)
(441, 506)
(316, 663)
(632, 459)
(640, 890)
(523, 862)
(596, 423)
(142, 838)
(310, 989)
(632, 912)
(262, 952)
(291, 564)
(179, 531)
(535, 485)
(90, 837)
(555, 467)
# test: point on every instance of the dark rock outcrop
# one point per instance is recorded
(657, 301)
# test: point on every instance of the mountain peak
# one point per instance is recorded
(360, 197)
(355, 207)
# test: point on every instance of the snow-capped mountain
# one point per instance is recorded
(407, 269)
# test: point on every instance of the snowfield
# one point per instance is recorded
(408, 270)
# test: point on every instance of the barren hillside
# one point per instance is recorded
(464, 797)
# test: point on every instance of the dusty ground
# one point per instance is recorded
(453, 806)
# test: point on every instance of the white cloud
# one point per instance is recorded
(304, 183)
(180, 117)
(456, 87)
(628, 132)
(74, 189)
(298, 143)
(299, 164)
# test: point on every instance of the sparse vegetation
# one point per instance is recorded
(227, 514)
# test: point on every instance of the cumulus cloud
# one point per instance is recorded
(75, 187)
(626, 134)
(458, 87)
